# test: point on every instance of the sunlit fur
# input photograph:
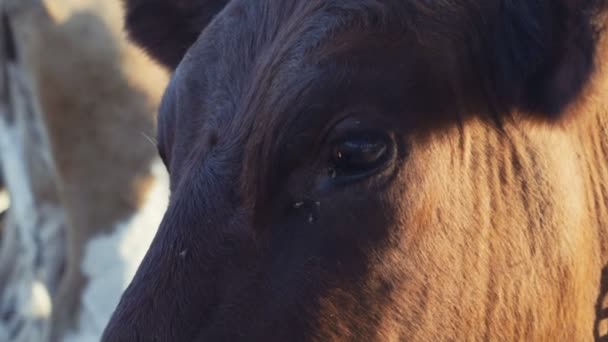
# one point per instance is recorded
(492, 226)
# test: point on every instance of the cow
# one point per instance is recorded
(86, 187)
(376, 170)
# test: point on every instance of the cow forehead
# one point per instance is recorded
(249, 70)
(253, 51)
(248, 29)
(257, 62)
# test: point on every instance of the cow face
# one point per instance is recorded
(329, 162)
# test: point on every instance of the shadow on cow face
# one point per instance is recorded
(306, 142)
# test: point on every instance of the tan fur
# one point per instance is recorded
(98, 96)
(519, 225)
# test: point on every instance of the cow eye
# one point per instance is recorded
(359, 155)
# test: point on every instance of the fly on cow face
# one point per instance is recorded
(329, 159)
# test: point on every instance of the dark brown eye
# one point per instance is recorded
(359, 155)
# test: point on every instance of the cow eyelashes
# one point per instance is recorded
(358, 155)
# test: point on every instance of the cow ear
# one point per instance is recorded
(167, 28)
(543, 53)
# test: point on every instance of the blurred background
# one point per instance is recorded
(82, 190)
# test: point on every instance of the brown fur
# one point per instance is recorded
(489, 223)
(97, 96)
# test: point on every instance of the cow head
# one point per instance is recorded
(332, 163)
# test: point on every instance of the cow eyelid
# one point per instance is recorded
(359, 154)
